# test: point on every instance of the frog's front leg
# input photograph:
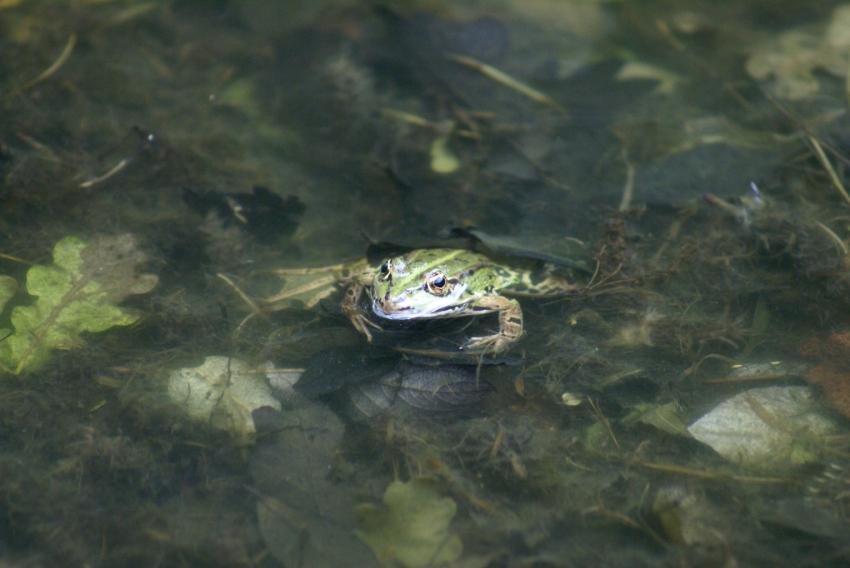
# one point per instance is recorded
(510, 325)
(351, 308)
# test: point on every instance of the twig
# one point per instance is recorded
(836, 181)
(835, 238)
(506, 80)
(629, 186)
(5, 256)
(416, 120)
(625, 520)
(245, 298)
(60, 61)
(102, 178)
(50, 155)
(798, 122)
(695, 367)
(708, 474)
(732, 379)
(601, 417)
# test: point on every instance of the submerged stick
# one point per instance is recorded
(506, 80)
(416, 120)
(833, 237)
(13, 258)
(827, 165)
(629, 186)
(60, 61)
(708, 474)
(102, 178)
(255, 309)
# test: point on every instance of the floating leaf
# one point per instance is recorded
(766, 427)
(224, 392)
(77, 293)
(412, 527)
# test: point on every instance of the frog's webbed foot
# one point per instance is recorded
(362, 324)
(510, 326)
(351, 309)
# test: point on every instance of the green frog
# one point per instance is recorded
(445, 283)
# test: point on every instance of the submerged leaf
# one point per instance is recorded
(665, 417)
(223, 391)
(412, 527)
(303, 505)
(636, 70)
(443, 160)
(766, 427)
(8, 288)
(793, 58)
(75, 294)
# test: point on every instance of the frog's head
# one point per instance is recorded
(405, 289)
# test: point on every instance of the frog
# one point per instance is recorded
(436, 283)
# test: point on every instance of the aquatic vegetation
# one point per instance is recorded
(412, 525)
(767, 428)
(76, 294)
(832, 373)
(793, 58)
(222, 392)
(683, 161)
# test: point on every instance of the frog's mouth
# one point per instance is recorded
(421, 305)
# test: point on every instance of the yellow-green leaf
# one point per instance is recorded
(412, 526)
(75, 294)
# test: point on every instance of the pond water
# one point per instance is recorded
(190, 190)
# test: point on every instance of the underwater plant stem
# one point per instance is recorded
(629, 185)
(5, 256)
(102, 178)
(707, 473)
(506, 80)
(416, 120)
(827, 165)
(835, 238)
(56, 65)
(601, 417)
(732, 379)
(245, 298)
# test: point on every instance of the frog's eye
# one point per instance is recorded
(385, 270)
(437, 283)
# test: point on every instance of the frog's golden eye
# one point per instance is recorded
(385, 270)
(437, 284)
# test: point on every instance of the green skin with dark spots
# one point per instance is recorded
(406, 286)
(446, 283)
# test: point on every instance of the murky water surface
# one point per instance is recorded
(188, 189)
